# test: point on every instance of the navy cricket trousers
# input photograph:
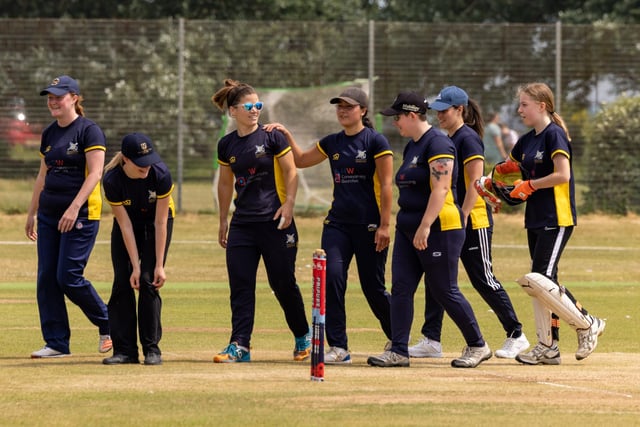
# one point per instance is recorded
(341, 242)
(62, 258)
(439, 264)
(476, 259)
(122, 304)
(246, 244)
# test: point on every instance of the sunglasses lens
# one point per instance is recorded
(249, 106)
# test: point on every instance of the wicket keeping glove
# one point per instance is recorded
(507, 167)
(485, 190)
(522, 189)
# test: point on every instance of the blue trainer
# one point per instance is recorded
(232, 353)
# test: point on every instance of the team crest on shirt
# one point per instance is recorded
(335, 157)
(414, 162)
(291, 241)
(260, 151)
(361, 156)
(152, 196)
(539, 155)
(72, 148)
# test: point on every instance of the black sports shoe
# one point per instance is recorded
(119, 359)
(153, 359)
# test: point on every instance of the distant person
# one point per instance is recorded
(460, 117)
(358, 221)
(67, 203)
(138, 186)
(429, 235)
(509, 137)
(494, 149)
(546, 154)
(259, 167)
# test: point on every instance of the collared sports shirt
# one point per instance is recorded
(259, 181)
(356, 187)
(64, 150)
(547, 207)
(414, 183)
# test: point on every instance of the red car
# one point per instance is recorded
(14, 127)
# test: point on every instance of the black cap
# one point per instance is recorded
(138, 148)
(407, 102)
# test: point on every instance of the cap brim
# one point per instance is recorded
(390, 112)
(54, 91)
(345, 99)
(148, 160)
(439, 106)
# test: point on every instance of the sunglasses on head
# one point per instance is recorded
(248, 106)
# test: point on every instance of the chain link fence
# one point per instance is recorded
(158, 76)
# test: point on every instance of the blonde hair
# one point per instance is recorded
(230, 92)
(540, 92)
(79, 108)
(116, 160)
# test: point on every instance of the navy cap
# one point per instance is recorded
(407, 102)
(352, 96)
(61, 85)
(450, 96)
(138, 148)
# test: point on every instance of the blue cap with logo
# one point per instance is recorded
(62, 85)
(138, 148)
(450, 96)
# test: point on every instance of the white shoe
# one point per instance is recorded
(389, 359)
(337, 356)
(540, 354)
(47, 352)
(588, 338)
(512, 347)
(472, 357)
(426, 348)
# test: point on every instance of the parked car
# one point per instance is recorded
(15, 129)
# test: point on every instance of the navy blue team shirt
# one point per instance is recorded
(139, 196)
(547, 207)
(356, 187)
(63, 150)
(259, 181)
(414, 183)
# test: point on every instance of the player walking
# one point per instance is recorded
(550, 216)
(358, 221)
(454, 109)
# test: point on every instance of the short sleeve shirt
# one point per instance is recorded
(259, 182)
(414, 183)
(64, 151)
(139, 196)
(547, 207)
(356, 187)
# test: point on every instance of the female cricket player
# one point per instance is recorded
(429, 235)
(358, 221)
(138, 186)
(259, 166)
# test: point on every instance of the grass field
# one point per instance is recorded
(601, 266)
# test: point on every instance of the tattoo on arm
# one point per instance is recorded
(440, 167)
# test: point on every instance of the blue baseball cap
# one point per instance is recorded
(61, 85)
(450, 96)
(138, 148)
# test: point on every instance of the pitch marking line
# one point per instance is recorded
(587, 389)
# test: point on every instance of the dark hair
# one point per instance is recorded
(232, 91)
(366, 121)
(472, 117)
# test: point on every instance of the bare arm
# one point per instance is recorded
(290, 174)
(160, 225)
(225, 192)
(120, 213)
(474, 170)
(38, 186)
(303, 159)
(441, 170)
(384, 171)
